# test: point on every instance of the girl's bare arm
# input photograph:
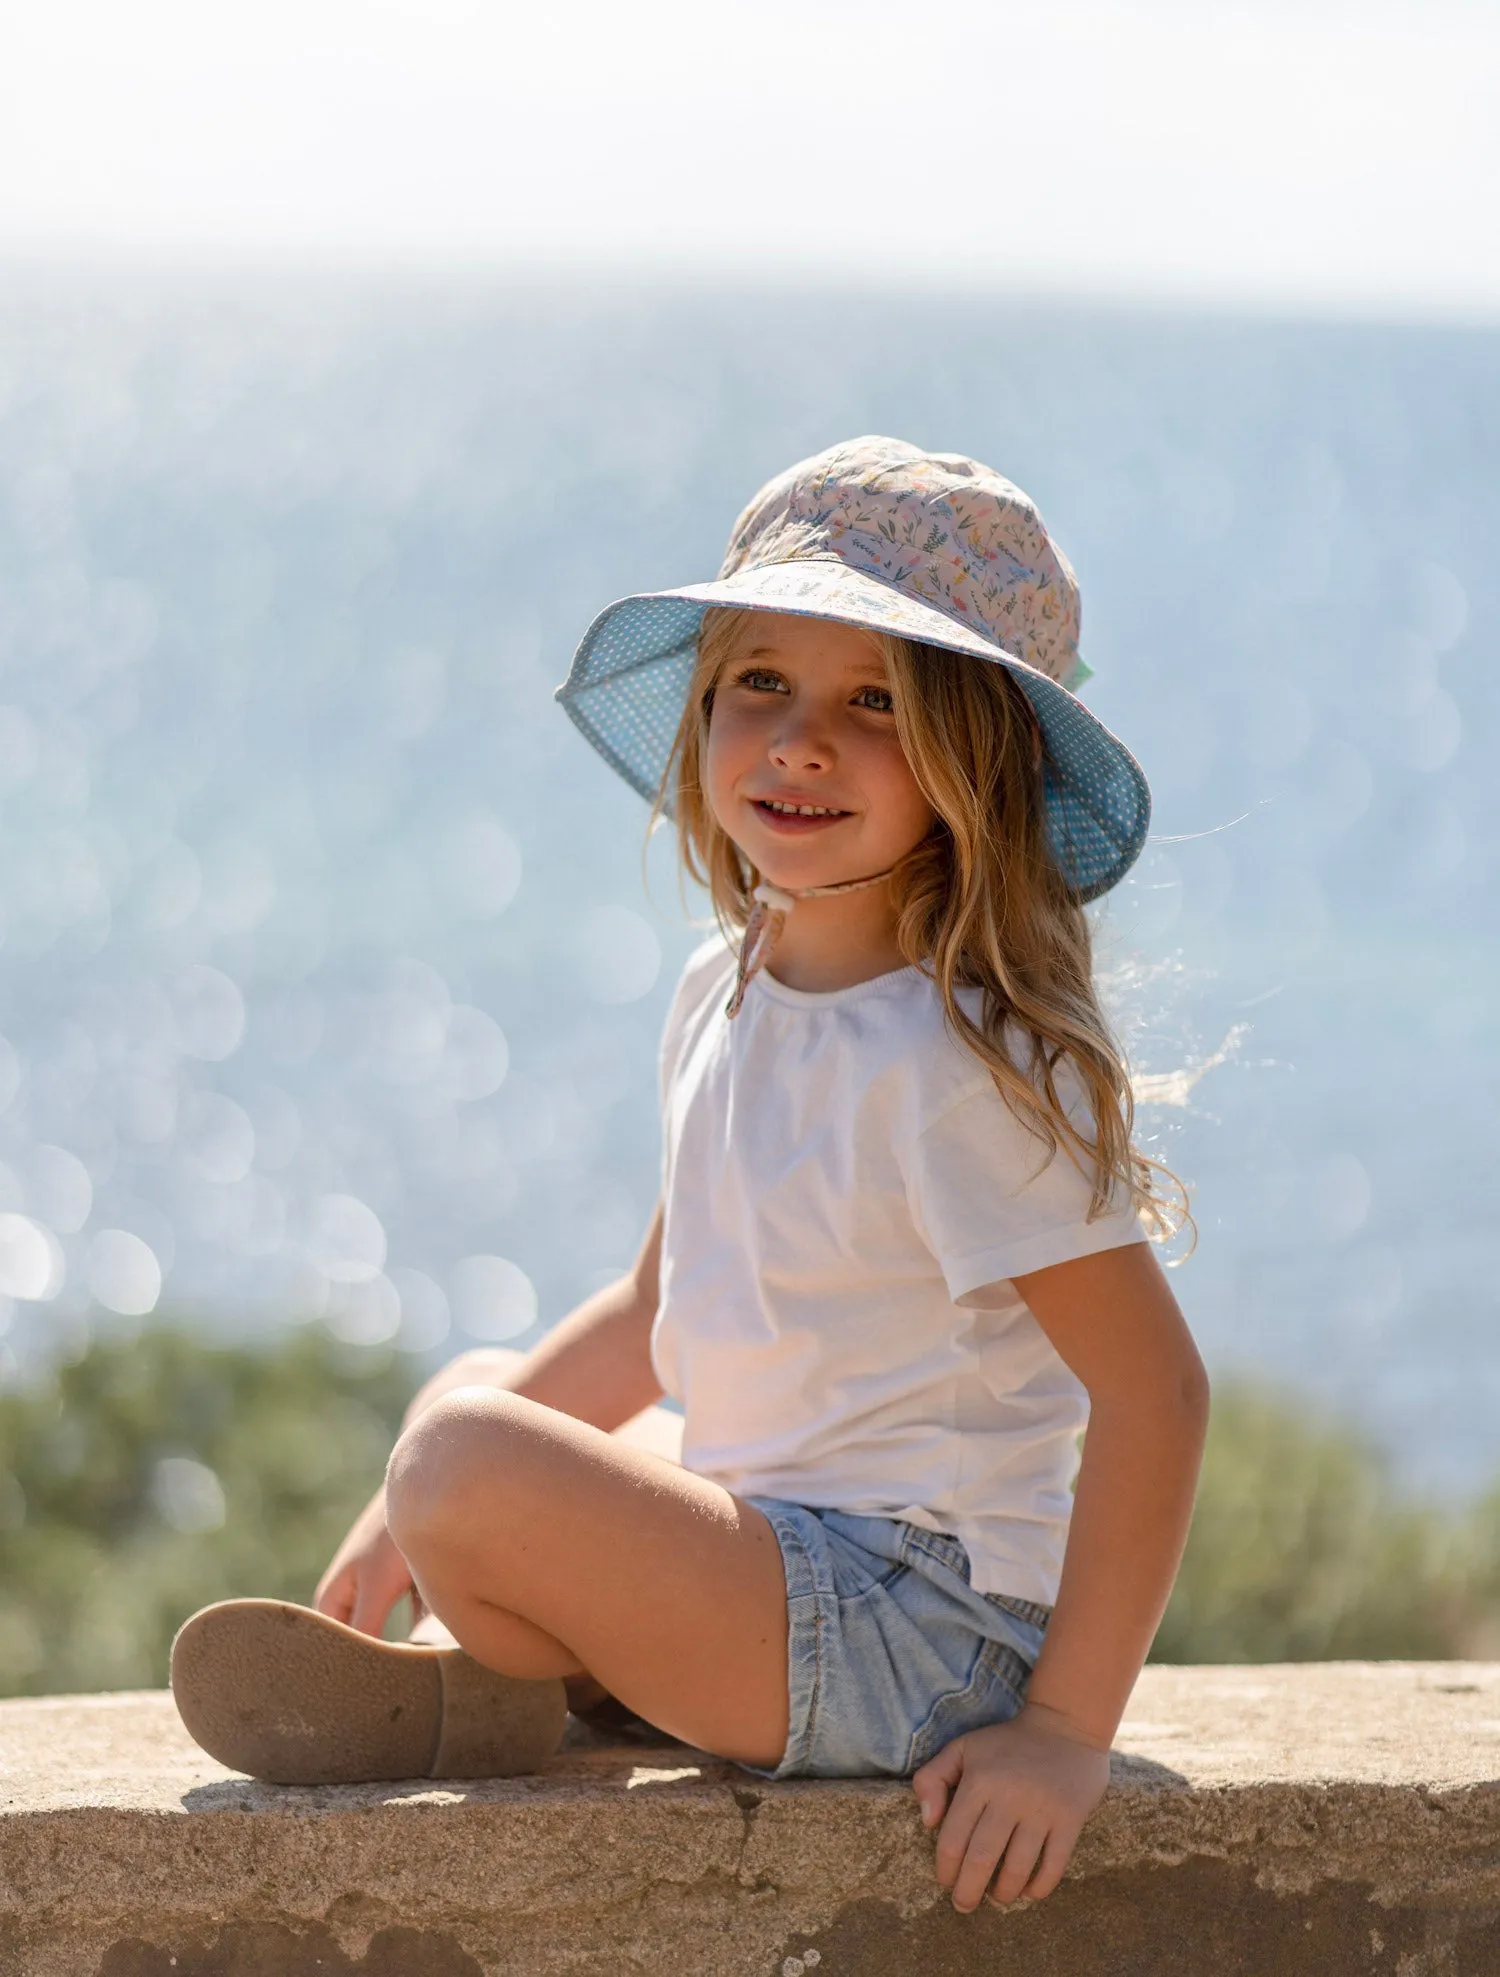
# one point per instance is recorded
(595, 1365)
(1116, 1324)
(1022, 1789)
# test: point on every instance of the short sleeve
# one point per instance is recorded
(991, 1202)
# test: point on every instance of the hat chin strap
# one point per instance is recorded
(768, 917)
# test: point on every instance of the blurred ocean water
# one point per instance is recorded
(330, 982)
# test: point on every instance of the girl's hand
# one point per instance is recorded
(367, 1576)
(1016, 1795)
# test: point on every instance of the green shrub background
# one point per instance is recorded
(99, 1564)
(153, 1476)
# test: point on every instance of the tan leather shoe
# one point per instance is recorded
(288, 1695)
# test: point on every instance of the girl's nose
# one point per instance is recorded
(801, 743)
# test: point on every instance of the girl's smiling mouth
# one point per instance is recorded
(794, 819)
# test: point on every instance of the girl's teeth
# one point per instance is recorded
(801, 809)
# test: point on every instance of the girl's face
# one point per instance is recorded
(802, 721)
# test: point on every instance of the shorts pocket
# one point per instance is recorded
(994, 1693)
(937, 1546)
(1026, 1610)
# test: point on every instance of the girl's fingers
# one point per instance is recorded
(936, 1779)
(1056, 1852)
(376, 1596)
(988, 1840)
(1022, 1852)
(368, 1616)
(335, 1596)
(955, 1834)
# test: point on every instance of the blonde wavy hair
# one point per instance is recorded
(980, 903)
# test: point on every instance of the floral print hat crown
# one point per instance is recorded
(930, 546)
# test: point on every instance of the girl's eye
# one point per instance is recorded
(761, 679)
(877, 698)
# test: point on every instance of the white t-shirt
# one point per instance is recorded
(846, 1195)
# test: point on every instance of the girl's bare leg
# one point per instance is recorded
(549, 1548)
(655, 1429)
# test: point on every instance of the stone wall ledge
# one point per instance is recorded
(1330, 1818)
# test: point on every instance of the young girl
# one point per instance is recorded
(900, 1254)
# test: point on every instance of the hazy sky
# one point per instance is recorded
(1317, 155)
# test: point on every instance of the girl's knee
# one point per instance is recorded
(445, 1469)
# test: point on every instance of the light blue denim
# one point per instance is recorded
(891, 1654)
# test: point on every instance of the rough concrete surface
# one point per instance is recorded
(1329, 1818)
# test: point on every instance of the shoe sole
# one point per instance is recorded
(288, 1695)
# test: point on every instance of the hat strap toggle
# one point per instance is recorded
(768, 917)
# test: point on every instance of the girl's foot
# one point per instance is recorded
(610, 1720)
(604, 1715)
(288, 1695)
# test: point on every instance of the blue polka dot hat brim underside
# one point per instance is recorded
(630, 674)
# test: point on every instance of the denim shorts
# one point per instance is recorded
(891, 1654)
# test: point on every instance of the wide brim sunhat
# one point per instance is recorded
(882, 536)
